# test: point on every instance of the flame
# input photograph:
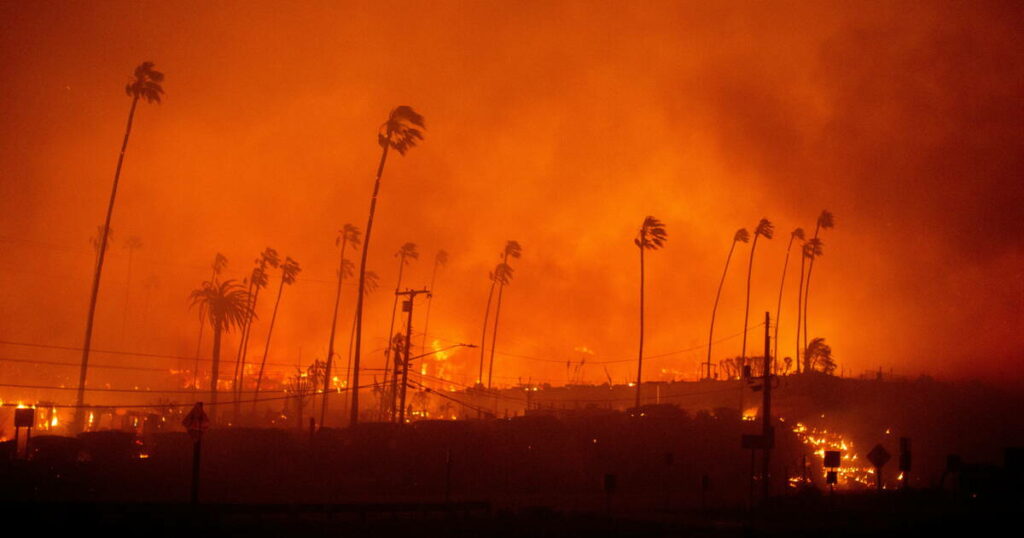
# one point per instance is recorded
(750, 415)
(850, 472)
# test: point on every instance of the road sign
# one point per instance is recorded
(196, 421)
(832, 459)
(24, 417)
(879, 456)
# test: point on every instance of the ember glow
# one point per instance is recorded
(855, 471)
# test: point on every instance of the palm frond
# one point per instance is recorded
(826, 220)
(741, 235)
(765, 229)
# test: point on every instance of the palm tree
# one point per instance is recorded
(440, 260)
(405, 253)
(258, 280)
(502, 274)
(289, 270)
(372, 281)
(224, 305)
(348, 234)
(401, 131)
(512, 250)
(767, 229)
(811, 249)
(145, 86)
(796, 234)
(741, 235)
(218, 265)
(826, 221)
(131, 244)
(652, 236)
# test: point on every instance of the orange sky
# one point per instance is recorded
(557, 124)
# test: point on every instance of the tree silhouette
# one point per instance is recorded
(652, 236)
(440, 260)
(258, 280)
(145, 86)
(767, 230)
(826, 221)
(502, 273)
(218, 265)
(223, 305)
(289, 269)
(349, 234)
(131, 244)
(741, 235)
(405, 253)
(372, 282)
(819, 357)
(812, 248)
(796, 234)
(403, 129)
(512, 250)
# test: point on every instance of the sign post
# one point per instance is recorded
(24, 417)
(879, 456)
(196, 422)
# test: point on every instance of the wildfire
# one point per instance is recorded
(852, 471)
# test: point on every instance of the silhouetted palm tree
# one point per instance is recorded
(224, 305)
(218, 265)
(652, 236)
(372, 282)
(766, 229)
(258, 280)
(512, 250)
(741, 235)
(812, 248)
(402, 130)
(131, 244)
(145, 86)
(440, 260)
(405, 253)
(796, 234)
(502, 274)
(826, 221)
(289, 269)
(348, 234)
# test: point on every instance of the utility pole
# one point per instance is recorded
(766, 412)
(403, 369)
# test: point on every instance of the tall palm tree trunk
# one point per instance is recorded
(354, 412)
(800, 311)
(80, 398)
(807, 293)
(746, 309)
(266, 347)
(714, 310)
(334, 326)
(214, 371)
(238, 380)
(640, 353)
(483, 337)
(778, 309)
(494, 334)
(199, 346)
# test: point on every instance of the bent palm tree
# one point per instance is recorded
(372, 281)
(796, 234)
(440, 260)
(512, 250)
(826, 221)
(224, 305)
(289, 269)
(502, 274)
(812, 248)
(652, 236)
(348, 234)
(401, 131)
(741, 235)
(145, 86)
(257, 281)
(767, 229)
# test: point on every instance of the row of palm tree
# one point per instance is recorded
(500, 277)
(348, 235)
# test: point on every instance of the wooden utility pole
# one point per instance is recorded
(404, 369)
